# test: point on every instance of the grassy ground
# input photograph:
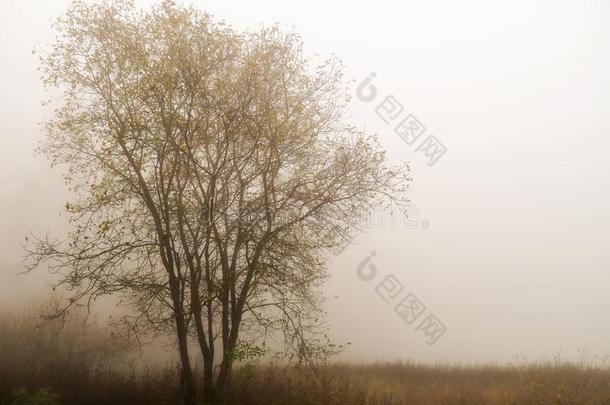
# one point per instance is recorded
(344, 385)
(78, 366)
(413, 384)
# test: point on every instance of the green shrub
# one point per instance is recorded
(40, 397)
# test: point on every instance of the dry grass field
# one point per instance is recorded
(412, 384)
(73, 365)
(379, 384)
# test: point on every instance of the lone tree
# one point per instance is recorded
(211, 173)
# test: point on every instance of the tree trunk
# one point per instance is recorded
(209, 391)
(224, 377)
(187, 382)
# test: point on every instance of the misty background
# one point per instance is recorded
(515, 260)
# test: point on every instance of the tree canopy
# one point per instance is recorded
(212, 170)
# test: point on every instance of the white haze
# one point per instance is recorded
(515, 261)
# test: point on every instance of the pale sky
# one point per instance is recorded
(515, 261)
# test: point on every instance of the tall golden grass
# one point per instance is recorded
(85, 365)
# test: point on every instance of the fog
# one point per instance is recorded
(508, 246)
